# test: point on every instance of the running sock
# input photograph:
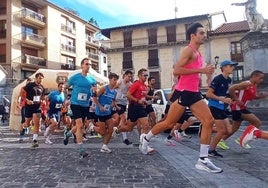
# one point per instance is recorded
(179, 130)
(204, 150)
(35, 136)
(169, 137)
(149, 135)
(124, 135)
(257, 133)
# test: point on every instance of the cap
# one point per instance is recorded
(227, 62)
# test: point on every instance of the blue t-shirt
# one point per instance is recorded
(56, 100)
(81, 89)
(106, 100)
(220, 84)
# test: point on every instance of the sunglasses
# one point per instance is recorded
(145, 75)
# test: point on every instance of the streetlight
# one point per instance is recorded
(216, 58)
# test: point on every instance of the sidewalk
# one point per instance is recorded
(59, 166)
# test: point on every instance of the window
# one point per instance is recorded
(171, 33)
(68, 44)
(3, 28)
(153, 60)
(152, 36)
(67, 62)
(238, 74)
(236, 52)
(156, 75)
(3, 53)
(127, 39)
(3, 7)
(105, 73)
(127, 60)
(104, 59)
(67, 25)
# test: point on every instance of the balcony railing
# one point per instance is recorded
(33, 39)
(92, 40)
(33, 60)
(33, 17)
(65, 66)
(141, 42)
(93, 56)
(68, 48)
(68, 29)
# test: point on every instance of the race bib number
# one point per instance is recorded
(82, 97)
(107, 107)
(58, 105)
(36, 99)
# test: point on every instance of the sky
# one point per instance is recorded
(113, 13)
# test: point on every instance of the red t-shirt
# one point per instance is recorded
(138, 90)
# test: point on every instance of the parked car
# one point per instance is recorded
(160, 105)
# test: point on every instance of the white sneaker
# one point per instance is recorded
(150, 150)
(184, 135)
(207, 165)
(48, 141)
(177, 136)
(169, 142)
(248, 135)
(105, 149)
(143, 144)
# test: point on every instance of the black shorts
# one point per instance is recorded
(217, 113)
(135, 112)
(186, 98)
(32, 109)
(149, 108)
(104, 118)
(93, 116)
(80, 112)
(122, 110)
(237, 114)
(22, 114)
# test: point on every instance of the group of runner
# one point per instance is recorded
(103, 109)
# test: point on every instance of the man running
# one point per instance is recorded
(82, 84)
(187, 93)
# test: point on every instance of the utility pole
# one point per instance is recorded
(176, 9)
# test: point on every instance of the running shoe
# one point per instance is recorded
(206, 165)
(246, 146)
(169, 142)
(222, 145)
(214, 153)
(184, 135)
(105, 149)
(150, 150)
(22, 133)
(115, 132)
(143, 147)
(82, 153)
(66, 136)
(248, 135)
(35, 144)
(177, 136)
(127, 142)
(48, 141)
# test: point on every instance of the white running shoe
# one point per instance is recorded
(184, 135)
(105, 149)
(248, 135)
(207, 165)
(150, 150)
(177, 136)
(169, 142)
(143, 144)
(48, 141)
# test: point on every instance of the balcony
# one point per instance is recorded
(68, 48)
(92, 41)
(68, 29)
(142, 43)
(33, 60)
(65, 66)
(32, 40)
(93, 56)
(32, 18)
